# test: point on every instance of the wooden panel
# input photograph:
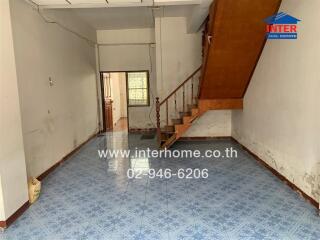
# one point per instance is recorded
(219, 104)
(108, 115)
(238, 37)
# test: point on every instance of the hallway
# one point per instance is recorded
(91, 198)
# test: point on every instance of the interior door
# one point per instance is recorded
(108, 115)
(106, 102)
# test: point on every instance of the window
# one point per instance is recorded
(138, 89)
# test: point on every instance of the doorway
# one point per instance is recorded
(114, 101)
(125, 100)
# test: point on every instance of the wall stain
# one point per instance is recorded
(308, 182)
(310, 179)
(75, 143)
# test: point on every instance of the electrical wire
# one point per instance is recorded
(93, 43)
(50, 21)
(90, 42)
(161, 60)
(152, 95)
(153, 17)
(151, 70)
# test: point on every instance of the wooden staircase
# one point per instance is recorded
(170, 129)
(186, 112)
(233, 40)
(171, 133)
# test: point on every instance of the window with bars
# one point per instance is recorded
(138, 89)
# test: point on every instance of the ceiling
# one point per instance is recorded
(121, 14)
(109, 3)
(68, 2)
(115, 18)
(126, 17)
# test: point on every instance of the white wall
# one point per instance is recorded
(129, 50)
(178, 53)
(139, 35)
(13, 179)
(214, 123)
(55, 119)
(281, 117)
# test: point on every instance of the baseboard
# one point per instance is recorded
(280, 176)
(275, 172)
(204, 138)
(24, 207)
(3, 224)
(51, 169)
(142, 130)
(15, 215)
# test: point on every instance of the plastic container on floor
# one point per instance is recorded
(34, 186)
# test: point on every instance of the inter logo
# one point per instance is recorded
(282, 26)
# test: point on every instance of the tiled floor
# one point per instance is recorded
(91, 198)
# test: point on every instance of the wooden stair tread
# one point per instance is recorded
(168, 128)
(176, 121)
(184, 114)
(190, 106)
(168, 132)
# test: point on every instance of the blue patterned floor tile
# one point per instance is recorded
(91, 198)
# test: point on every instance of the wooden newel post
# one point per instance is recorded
(158, 120)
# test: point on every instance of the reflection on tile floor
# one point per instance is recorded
(91, 198)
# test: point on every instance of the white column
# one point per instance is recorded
(159, 73)
(13, 178)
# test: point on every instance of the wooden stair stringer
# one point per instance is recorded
(169, 142)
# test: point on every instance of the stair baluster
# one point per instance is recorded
(175, 102)
(183, 98)
(171, 133)
(158, 120)
(192, 91)
(167, 110)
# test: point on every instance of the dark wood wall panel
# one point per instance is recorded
(238, 37)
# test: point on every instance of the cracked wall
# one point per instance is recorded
(57, 116)
(280, 121)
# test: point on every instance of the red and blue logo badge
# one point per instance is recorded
(282, 26)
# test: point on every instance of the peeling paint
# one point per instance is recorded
(309, 182)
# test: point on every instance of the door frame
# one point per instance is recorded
(127, 98)
(104, 129)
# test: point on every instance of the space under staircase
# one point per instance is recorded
(177, 111)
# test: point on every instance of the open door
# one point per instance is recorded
(114, 101)
(108, 114)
